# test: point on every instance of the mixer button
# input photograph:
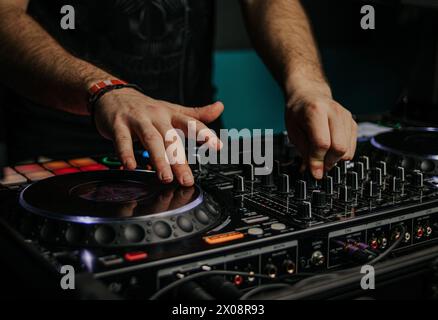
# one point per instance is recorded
(395, 185)
(335, 173)
(371, 189)
(366, 162)
(278, 226)
(377, 176)
(104, 234)
(255, 231)
(185, 224)
(134, 233)
(345, 194)
(223, 237)
(359, 168)
(202, 216)
(162, 229)
(135, 256)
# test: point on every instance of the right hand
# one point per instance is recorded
(125, 114)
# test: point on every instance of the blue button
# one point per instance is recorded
(145, 154)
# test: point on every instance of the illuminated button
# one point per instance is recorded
(59, 172)
(82, 162)
(94, 167)
(223, 237)
(8, 171)
(278, 226)
(111, 161)
(135, 256)
(12, 180)
(28, 168)
(55, 165)
(40, 175)
(111, 260)
(255, 231)
(145, 154)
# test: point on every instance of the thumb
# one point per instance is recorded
(206, 114)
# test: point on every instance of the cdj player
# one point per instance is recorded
(232, 231)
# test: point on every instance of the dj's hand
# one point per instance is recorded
(126, 114)
(322, 130)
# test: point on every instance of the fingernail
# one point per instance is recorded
(187, 179)
(129, 164)
(166, 177)
(318, 173)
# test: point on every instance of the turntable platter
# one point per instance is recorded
(414, 142)
(116, 208)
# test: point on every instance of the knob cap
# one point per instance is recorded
(344, 167)
(371, 189)
(301, 190)
(353, 180)
(359, 168)
(248, 172)
(345, 194)
(376, 175)
(305, 210)
(382, 166)
(284, 184)
(418, 179)
(268, 180)
(238, 184)
(327, 185)
(335, 173)
(395, 185)
(400, 173)
(319, 199)
(366, 162)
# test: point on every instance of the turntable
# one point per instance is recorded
(114, 208)
(416, 147)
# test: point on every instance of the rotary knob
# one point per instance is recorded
(353, 180)
(417, 179)
(301, 190)
(239, 184)
(248, 172)
(395, 185)
(376, 175)
(319, 199)
(335, 173)
(400, 173)
(345, 194)
(268, 180)
(305, 210)
(327, 185)
(366, 162)
(371, 189)
(359, 168)
(382, 166)
(344, 167)
(284, 184)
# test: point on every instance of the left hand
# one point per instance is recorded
(322, 130)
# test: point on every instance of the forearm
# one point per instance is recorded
(282, 35)
(33, 64)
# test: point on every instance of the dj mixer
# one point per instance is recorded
(138, 236)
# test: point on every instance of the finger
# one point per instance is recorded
(202, 132)
(317, 128)
(123, 145)
(175, 152)
(353, 142)
(153, 142)
(205, 114)
(298, 138)
(339, 139)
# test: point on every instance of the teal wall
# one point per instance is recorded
(361, 80)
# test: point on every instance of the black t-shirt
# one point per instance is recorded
(164, 46)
